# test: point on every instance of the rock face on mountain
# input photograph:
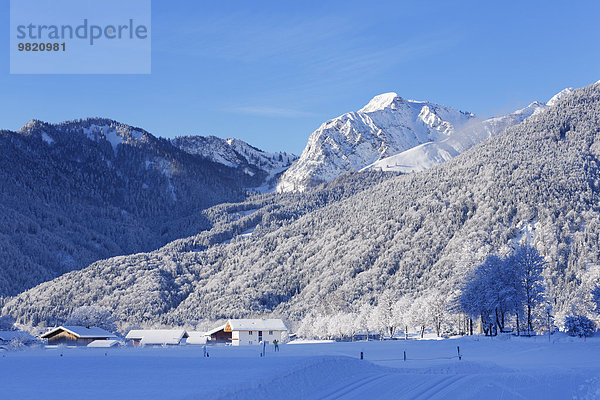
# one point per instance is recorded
(238, 154)
(342, 245)
(386, 126)
(79, 191)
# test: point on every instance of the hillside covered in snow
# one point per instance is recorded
(79, 191)
(340, 246)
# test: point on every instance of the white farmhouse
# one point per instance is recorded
(242, 332)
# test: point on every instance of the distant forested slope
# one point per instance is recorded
(76, 192)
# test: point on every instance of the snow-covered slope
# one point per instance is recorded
(387, 125)
(427, 155)
(236, 153)
(559, 96)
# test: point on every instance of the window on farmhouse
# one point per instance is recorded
(249, 332)
(270, 332)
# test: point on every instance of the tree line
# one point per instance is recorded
(502, 294)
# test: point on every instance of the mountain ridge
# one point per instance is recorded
(387, 134)
(236, 153)
(387, 125)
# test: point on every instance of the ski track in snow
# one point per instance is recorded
(357, 386)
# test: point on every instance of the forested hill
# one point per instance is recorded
(339, 246)
(79, 191)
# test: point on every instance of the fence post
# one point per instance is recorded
(458, 350)
(361, 355)
(404, 355)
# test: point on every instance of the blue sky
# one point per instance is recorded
(270, 72)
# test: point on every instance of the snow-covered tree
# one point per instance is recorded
(306, 327)
(477, 298)
(93, 316)
(579, 325)
(365, 318)
(402, 313)
(502, 287)
(385, 312)
(529, 265)
(436, 309)
(322, 326)
(419, 314)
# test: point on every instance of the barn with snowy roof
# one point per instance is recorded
(22, 337)
(76, 335)
(156, 337)
(243, 332)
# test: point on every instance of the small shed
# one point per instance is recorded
(156, 337)
(76, 335)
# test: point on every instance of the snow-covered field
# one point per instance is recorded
(497, 368)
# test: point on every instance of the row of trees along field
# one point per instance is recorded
(500, 295)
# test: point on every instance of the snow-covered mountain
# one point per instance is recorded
(427, 155)
(238, 154)
(394, 134)
(387, 125)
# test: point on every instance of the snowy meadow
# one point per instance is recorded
(501, 367)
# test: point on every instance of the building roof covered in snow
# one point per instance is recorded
(7, 336)
(255, 325)
(81, 332)
(157, 336)
(215, 330)
(104, 343)
(196, 337)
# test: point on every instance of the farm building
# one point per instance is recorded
(156, 337)
(218, 335)
(7, 337)
(76, 335)
(241, 332)
(104, 343)
(197, 337)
